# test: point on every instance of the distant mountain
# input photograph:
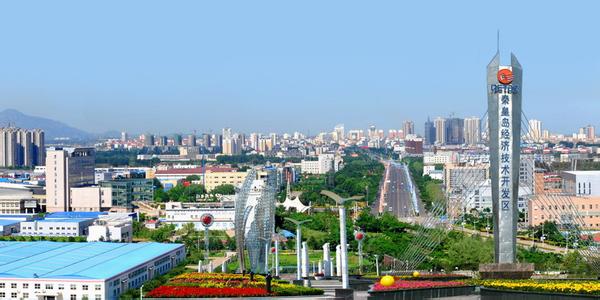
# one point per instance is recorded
(53, 129)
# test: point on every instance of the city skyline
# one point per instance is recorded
(192, 72)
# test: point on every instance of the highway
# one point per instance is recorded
(398, 195)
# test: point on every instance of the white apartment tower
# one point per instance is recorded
(535, 130)
(67, 168)
(440, 131)
(472, 130)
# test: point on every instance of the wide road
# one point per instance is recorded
(398, 193)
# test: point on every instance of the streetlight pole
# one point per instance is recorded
(377, 264)
(343, 242)
(142, 292)
(298, 245)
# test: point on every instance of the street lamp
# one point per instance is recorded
(207, 221)
(343, 242)
(298, 245)
(141, 292)
(359, 236)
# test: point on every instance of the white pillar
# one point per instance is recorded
(224, 266)
(298, 253)
(344, 248)
(305, 262)
(326, 260)
(320, 267)
(338, 260)
(331, 268)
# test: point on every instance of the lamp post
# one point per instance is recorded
(298, 245)
(343, 242)
(207, 221)
(359, 236)
(142, 292)
(377, 264)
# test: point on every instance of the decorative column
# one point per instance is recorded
(338, 260)
(326, 261)
(305, 262)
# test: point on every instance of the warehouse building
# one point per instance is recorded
(74, 271)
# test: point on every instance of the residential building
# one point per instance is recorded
(440, 131)
(408, 127)
(429, 134)
(535, 130)
(323, 164)
(21, 147)
(472, 130)
(454, 131)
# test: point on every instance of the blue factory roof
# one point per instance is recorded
(75, 214)
(69, 220)
(56, 260)
(8, 222)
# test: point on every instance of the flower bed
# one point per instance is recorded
(191, 285)
(425, 289)
(434, 277)
(166, 291)
(546, 286)
(413, 284)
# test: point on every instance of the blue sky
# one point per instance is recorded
(169, 66)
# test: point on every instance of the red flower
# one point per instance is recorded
(166, 291)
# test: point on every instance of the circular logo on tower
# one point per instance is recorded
(505, 76)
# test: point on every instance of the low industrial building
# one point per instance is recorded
(9, 227)
(60, 224)
(73, 271)
(111, 228)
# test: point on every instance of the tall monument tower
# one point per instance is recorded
(504, 90)
(504, 86)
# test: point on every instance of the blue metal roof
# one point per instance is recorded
(8, 222)
(75, 214)
(69, 220)
(63, 260)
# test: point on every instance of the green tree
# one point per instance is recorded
(574, 263)
(224, 189)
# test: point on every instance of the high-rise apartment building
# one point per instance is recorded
(67, 168)
(191, 140)
(21, 147)
(177, 140)
(148, 140)
(472, 132)
(124, 137)
(535, 130)
(339, 133)
(590, 132)
(440, 131)
(232, 145)
(429, 133)
(455, 131)
(408, 127)
(39, 147)
(274, 139)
